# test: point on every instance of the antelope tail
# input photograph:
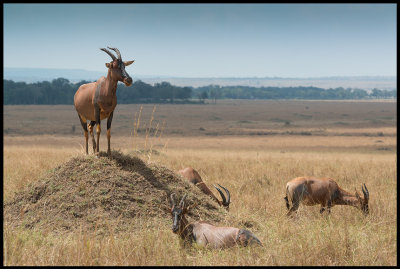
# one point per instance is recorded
(286, 198)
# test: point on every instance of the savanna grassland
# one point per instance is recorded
(251, 147)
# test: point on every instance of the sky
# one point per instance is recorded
(206, 40)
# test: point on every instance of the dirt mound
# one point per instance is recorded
(98, 193)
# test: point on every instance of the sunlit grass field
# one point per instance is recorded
(255, 168)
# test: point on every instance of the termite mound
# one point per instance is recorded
(121, 193)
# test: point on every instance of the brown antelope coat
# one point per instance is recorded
(324, 191)
(205, 234)
(97, 100)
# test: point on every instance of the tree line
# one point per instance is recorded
(215, 92)
(62, 91)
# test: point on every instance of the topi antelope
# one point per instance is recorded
(193, 176)
(206, 234)
(97, 100)
(324, 191)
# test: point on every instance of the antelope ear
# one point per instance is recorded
(126, 63)
(108, 65)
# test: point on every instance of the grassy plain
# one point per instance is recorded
(251, 147)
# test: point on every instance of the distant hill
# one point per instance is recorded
(362, 82)
(30, 75)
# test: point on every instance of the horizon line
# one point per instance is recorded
(219, 77)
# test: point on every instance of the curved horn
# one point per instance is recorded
(182, 202)
(172, 200)
(117, 51)
(225, 202)
(366, 192)
(109, 53)
(221, 193)
(229, 195)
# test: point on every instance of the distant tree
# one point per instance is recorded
(204, 95)
(185, 93)
(387, 94)
(359, 93)
(200, 97)
(393, 93)
(215, 92)
(376, 93)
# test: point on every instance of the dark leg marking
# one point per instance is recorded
(287, 202)
(109, 120)
(84, 126)
(329, 206)
(92, 123)
(83, 123)
(295, 206)
(98, 128)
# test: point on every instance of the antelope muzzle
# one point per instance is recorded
(176, 221)
(128, 81)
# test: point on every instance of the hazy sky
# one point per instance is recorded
(206, 40)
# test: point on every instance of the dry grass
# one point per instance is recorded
(255, 169)
(256, 180)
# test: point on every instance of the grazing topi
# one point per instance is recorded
(324, 191)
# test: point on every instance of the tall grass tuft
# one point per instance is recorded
(136, 124)
(151, 134)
